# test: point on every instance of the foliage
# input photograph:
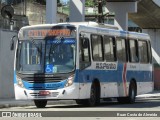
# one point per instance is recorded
(43, 2)
(90, 3)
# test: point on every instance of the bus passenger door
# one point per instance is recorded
(84, 63)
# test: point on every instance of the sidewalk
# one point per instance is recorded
(154, 94)
(6, 103)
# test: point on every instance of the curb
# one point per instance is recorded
(8, 105)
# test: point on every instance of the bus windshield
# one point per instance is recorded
(30, 56)
(55, 55)
(60, 55)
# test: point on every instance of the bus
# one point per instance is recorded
(85, 62)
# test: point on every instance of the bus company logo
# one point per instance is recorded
(6, 114)
(106, 66)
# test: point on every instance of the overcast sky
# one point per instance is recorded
(157, 2)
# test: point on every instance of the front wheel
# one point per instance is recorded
(94, 96)
(40, 103)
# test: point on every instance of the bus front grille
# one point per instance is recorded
(43, 79)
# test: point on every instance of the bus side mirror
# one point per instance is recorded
(12, 42)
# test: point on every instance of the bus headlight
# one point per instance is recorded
(19, 81)
(70, 81)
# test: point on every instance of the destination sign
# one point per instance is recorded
(50, 32)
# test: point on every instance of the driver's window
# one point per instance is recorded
(84, 53)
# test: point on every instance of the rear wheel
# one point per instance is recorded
(132, 95)
(40, 103)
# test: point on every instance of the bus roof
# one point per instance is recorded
(101, 27)
(76, 24)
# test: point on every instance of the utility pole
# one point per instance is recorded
(100, 12)
(51, 11)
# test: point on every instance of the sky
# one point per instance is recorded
(65, 1)
(157, 2)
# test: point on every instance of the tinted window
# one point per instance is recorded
(133, 51)
(97, 47)
(121, 49)
(143, 51)
(108, 48)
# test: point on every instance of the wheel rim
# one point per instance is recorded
(133, 94)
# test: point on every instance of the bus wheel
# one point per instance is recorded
(132, 93)
(40, 103)
(94, 96)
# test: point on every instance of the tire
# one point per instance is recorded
(40, 103)
(132, 95)
(94, 96)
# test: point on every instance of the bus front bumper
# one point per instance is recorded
(71, 92)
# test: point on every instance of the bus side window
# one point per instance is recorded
(121, 49)
(133, 51)
(84, 53)
(143, 51)
(109, 53)
(97, 47)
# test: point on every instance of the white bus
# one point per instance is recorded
(85, 62)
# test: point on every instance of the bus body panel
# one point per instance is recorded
(114, 77)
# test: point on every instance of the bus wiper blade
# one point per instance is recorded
(60, 40)
(33, 42)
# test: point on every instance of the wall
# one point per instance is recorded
(36, 14)
(6, 65)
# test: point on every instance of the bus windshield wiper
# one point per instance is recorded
(38, 49)
(61, 39)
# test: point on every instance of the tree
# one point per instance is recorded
(90, 3)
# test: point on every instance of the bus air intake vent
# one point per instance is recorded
(53, 94)
(43, 79)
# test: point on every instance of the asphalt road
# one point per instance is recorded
(143, 109)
